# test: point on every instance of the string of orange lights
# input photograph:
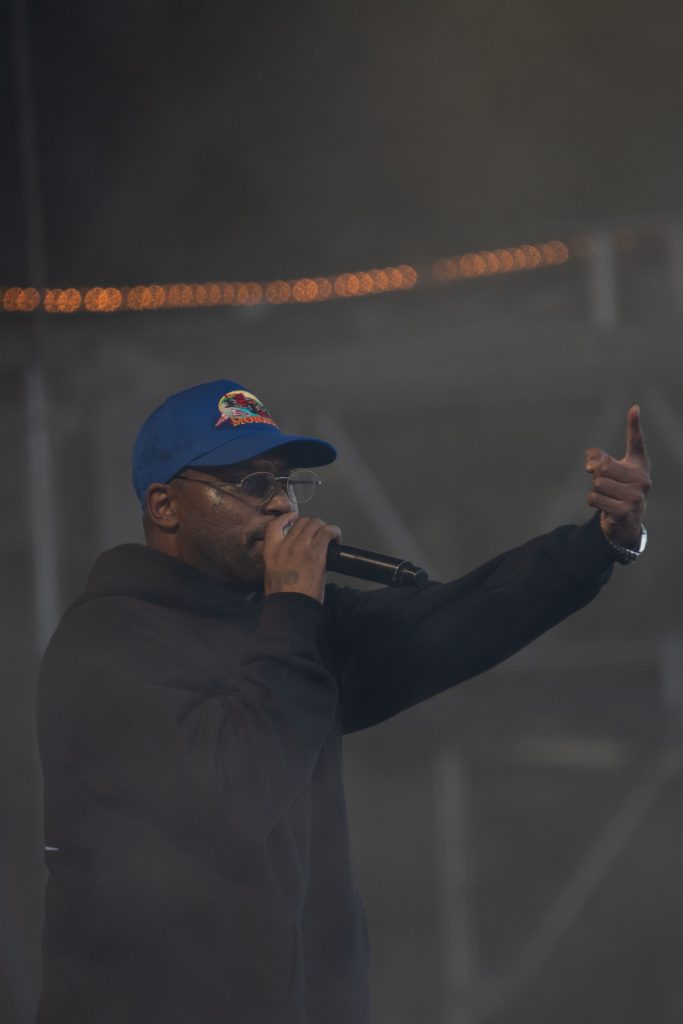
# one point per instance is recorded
(299, 290)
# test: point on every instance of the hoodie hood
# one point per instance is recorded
(138, 571)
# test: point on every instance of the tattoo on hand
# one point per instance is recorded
(280, 578)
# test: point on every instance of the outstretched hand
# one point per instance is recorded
(620, 487)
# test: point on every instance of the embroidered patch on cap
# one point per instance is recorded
(240, 407)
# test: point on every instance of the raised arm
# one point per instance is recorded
(394, 648)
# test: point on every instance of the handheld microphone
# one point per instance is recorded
(368, 565)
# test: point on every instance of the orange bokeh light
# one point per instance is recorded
(248, 294)
(103, 300)
(305, 289)
(180, 296)
(301, 290)
(21, 300)
(408, 276)
(278, 292)
(325, 288)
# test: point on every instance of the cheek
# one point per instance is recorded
(215, 498)
(217, 526)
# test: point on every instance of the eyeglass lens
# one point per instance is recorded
(301, 485)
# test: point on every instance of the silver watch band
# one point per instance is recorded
(627, 555)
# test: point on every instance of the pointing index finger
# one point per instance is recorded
(635, 442)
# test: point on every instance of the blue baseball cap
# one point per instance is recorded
(214, 424)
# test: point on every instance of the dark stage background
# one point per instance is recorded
(519, 839)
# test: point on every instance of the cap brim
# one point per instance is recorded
(303, 451)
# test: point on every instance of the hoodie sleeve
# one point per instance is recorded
(141, 711)
(396, 647)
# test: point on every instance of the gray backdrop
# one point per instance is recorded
(518, 840)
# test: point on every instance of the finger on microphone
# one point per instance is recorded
(287, 522)
(280, 526)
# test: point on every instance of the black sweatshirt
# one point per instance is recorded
(196, 833)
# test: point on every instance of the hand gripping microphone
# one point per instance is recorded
(368, 565)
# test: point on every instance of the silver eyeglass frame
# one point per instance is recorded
(223, 485)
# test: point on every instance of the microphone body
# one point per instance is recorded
(368, 565)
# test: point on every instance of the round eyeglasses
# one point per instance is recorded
(300, 485)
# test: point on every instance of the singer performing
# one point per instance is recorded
(192, 705)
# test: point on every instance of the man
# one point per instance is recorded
(191, 709)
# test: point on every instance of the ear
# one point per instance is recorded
(161, 501)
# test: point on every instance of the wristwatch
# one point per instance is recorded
(627, 555)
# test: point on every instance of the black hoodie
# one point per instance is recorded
(196, 834)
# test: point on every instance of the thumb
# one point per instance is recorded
(635, 441)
